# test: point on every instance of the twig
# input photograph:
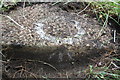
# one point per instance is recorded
(115, 65)
(23, 70)
(16, 73)
(45, 64)
(114, 35)
(84, 9)
(103, 27)
(23, 12)
(31, 73)
(22, 27)
(2, 54)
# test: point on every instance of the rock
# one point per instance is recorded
(52, 34)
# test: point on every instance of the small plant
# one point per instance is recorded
(102, 73)
(112, 9)
(5, 6)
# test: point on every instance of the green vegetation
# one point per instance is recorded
(103, 73)
(5, 6)
(106, 9)
(113, 8)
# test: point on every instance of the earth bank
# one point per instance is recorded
(53, 38)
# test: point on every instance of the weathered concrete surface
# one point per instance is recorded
(47, 29)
